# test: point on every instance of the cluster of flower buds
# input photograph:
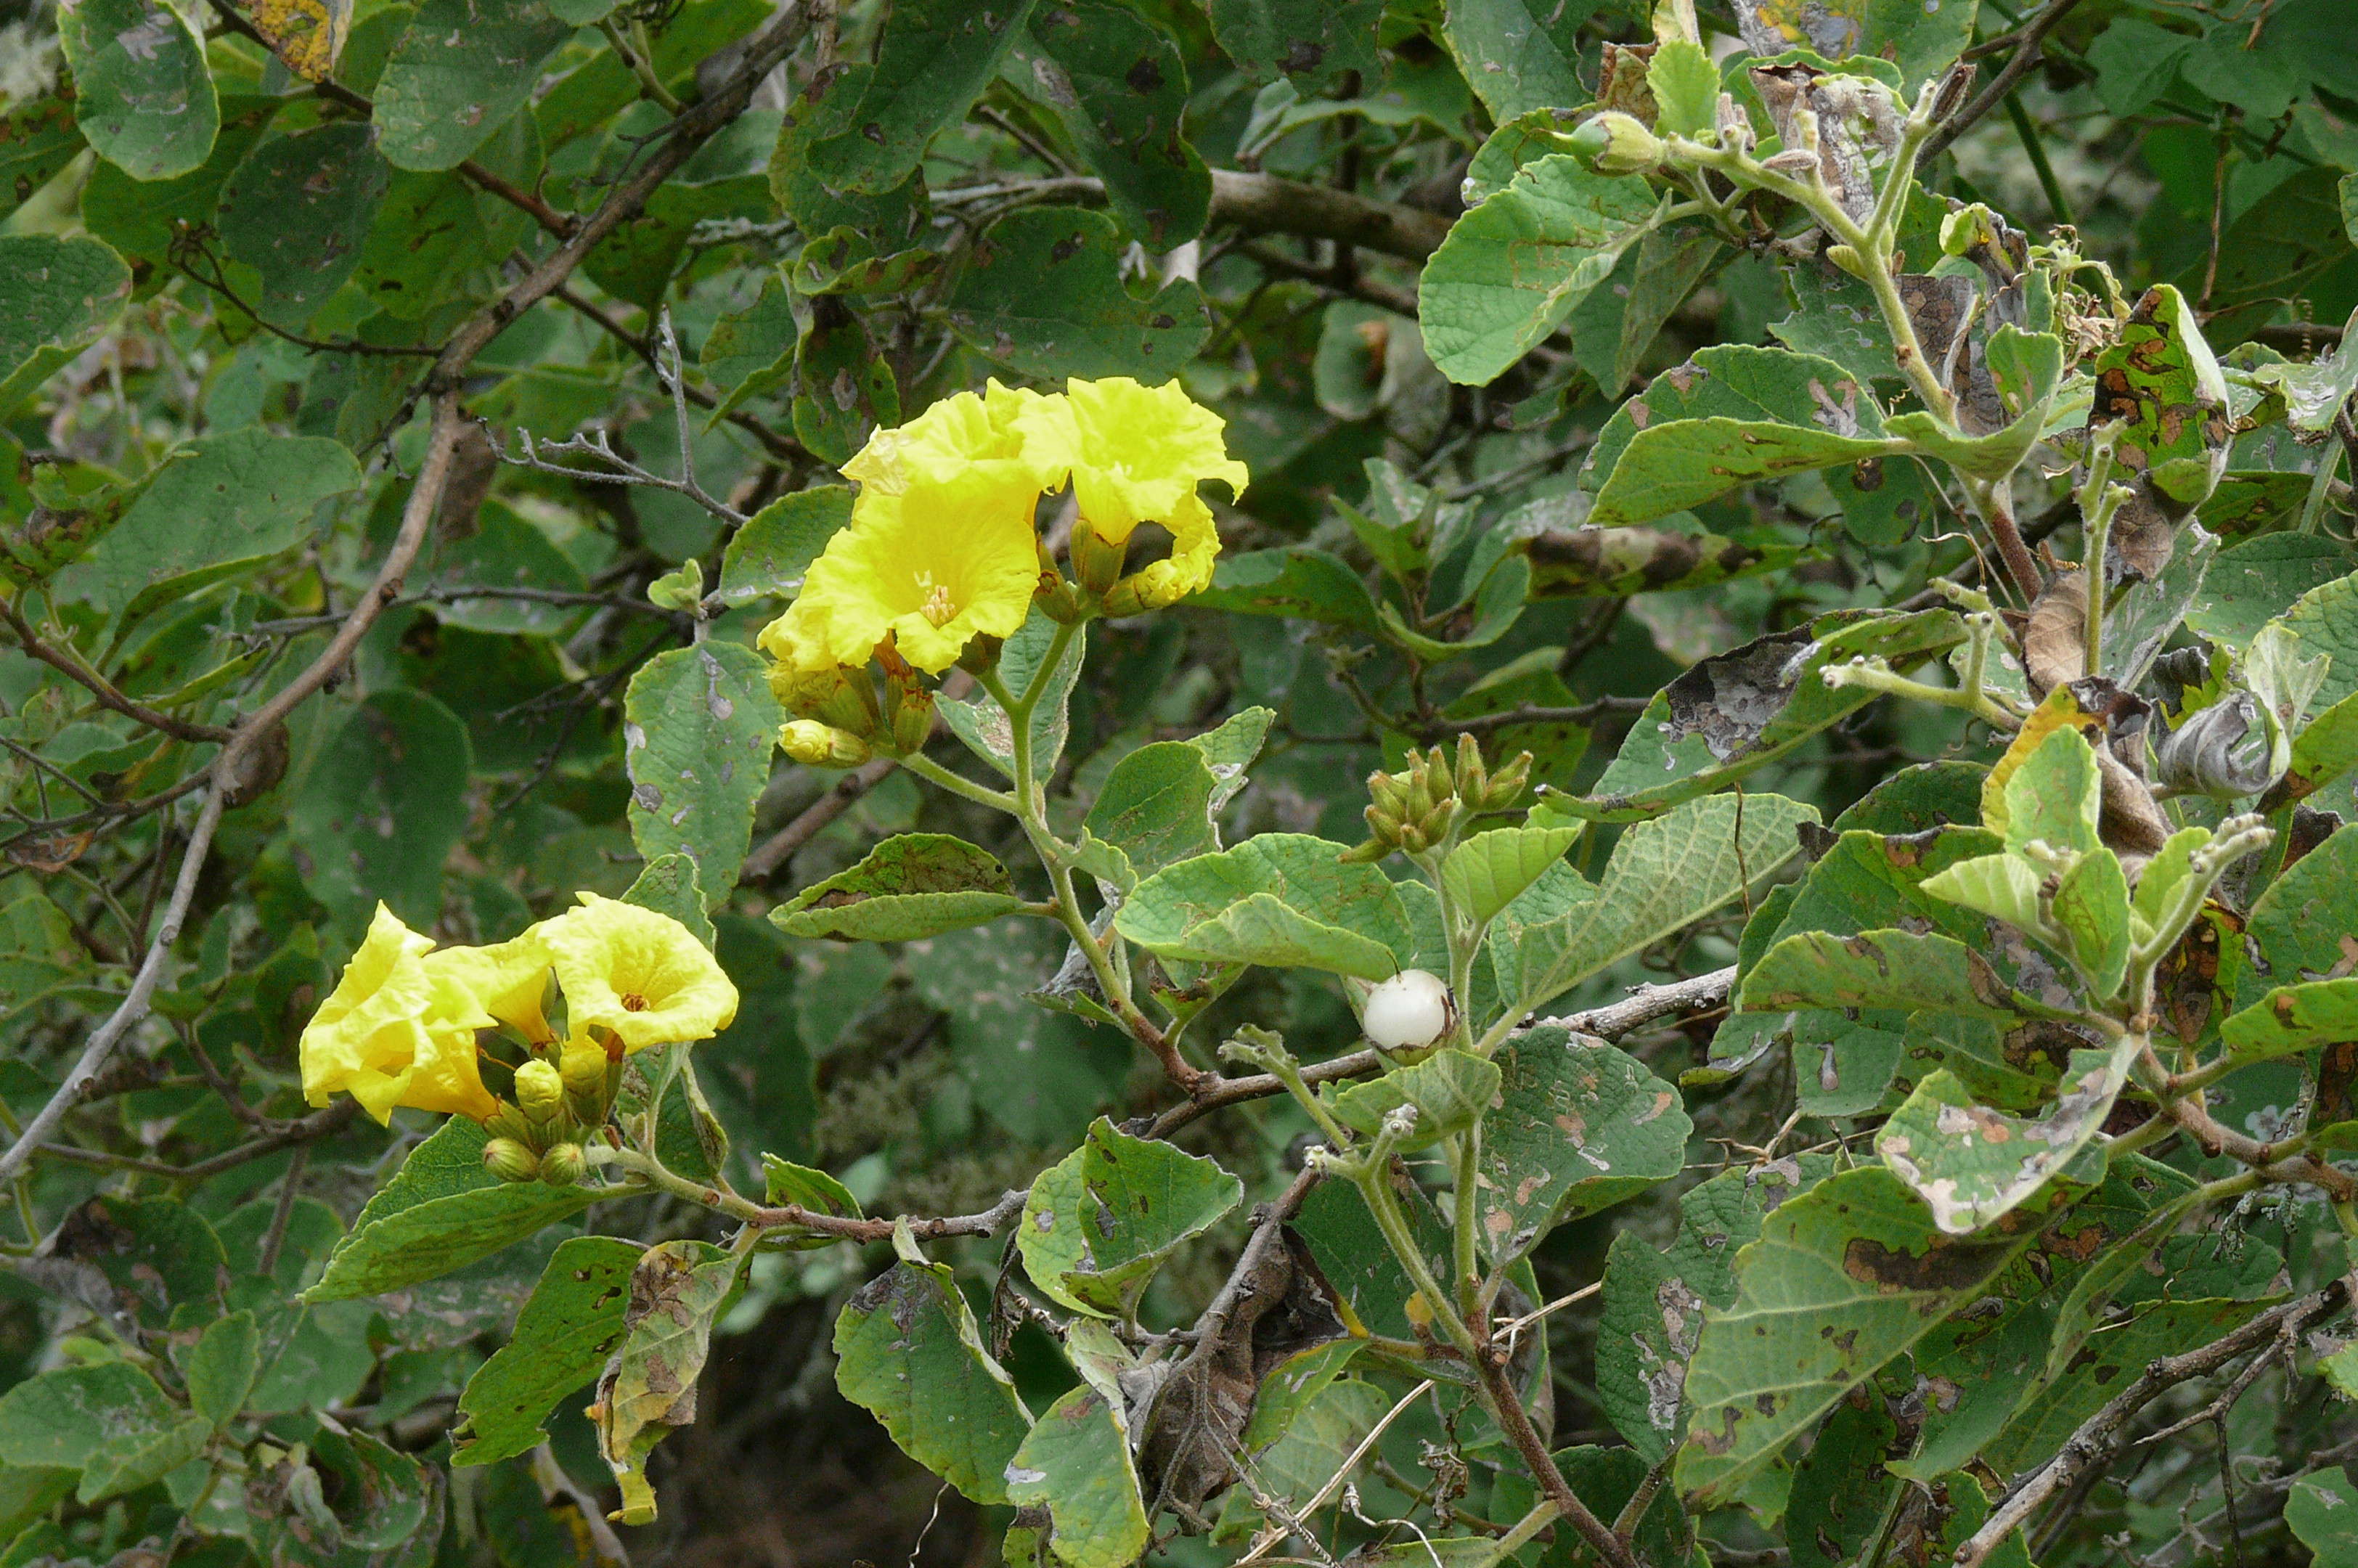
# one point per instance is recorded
(1412, 810)
(558, 1104)
(842, 724)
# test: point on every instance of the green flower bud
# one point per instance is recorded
(1412, 839)
(563, 1165)
(1434, 825)
(1383, 824)
(1389, 791)
(1367, 853)
(540, 1093)
(843, 698)
(510, 1161)
(1419, 798)
(1098, 562)
(1445, 787)
(1473, 778)
(912, 708)
(585, 1070)
(1507, 785)
(1616, 142)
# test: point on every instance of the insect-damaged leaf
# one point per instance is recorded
(142, 94)
(1899, 970)
(1736, 710)
(297, 210)
(1972, 1164)
(918, 884)
(698, 725)
(1843, 1279)
(1101, 1220)
(571, 1323)
(1278, 898)
(458, 74)
(907, 1350)
(1119, 82)
(675, 1292)
(1579, 1127)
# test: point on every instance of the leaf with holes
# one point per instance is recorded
(1100, 1222)
(919, 884)
(698, 726)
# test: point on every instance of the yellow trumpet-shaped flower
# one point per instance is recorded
(992, 431)
(1134, 453)
(507, 980)
(642, 975)
(933, 566)
(394, 1032)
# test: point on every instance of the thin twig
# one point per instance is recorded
(2031, 37)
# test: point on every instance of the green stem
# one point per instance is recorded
(1876, 675)
(1464, 1220)
(636, 53)
(926, 768)
(1372, 1175)
(1543, 1514)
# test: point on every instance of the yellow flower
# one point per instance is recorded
(1195, 542)
(507, 980)
(950, 440)
(395, 1033)
(934, 566)
(817, 745)
(643, 975)
(1136, 454)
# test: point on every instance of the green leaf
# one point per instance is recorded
(1685, 85)
(2254, 581)
(783, 1182)
(221, 1365)
(1522, 55)
(1306, 583)
(36, 140)
(1664, 875)
(845, 389)
(907, 1351)
(1654, 1301)
(458, 74)
(1486, 296)
(130, 1460)
(815, 196)
(668, 885)
(1298, 1438)
(649, 1387)
(572, 1321)
(2005, 887)
(842, 261)
(1579, 1127)
(1734, 416)
(749, 352)
(63, 1419)
(1972, 1165)
(1119, 83)
(235, 498)
(1156, 806)
(2326, 748)
(1076, 1464)
(2304, 928)
(1045, 295)
(299, 211)
(1735, 711)
(2135, 63)
(1882, 969)
(2326, 619)
(2091, 907)
(142, 94)
(2053, 792)
(55, 297)
(1100, 1221)
(2322, 1510)
(1843, 1279)
(984, 726)
(933, 60)
(381, 808)
(1614, 327)
(918, 884)
(699, 727)
(440, 1212)
(1488, 871)
(1450, 1090)
(2293, 1018)
(423, 244)
(767, 557)
(1284, 900)
(1311, 41)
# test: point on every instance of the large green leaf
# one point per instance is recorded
(934, 58)
(699, 727)
(221, 500)
(1045, 295)
(1512, 268)
(142, 94)
(382, 808)
(907, 1350)
(2322, 1510)
(571, 1323)
(1100, 1221)
(1841, 1280)
(2304, 928)
(440, 1212)
(1450, 1090)
(1579, 1127)
(918, 884)
(767, 556)
(1902, 970)
(1311, 41)
(1519, 56)
(1664, 875)
(36, 140)
(1156, 807)
(458, 74)
(2293, 1018)
(1280, 899)
(298, 210)
(2326, 619)
(1076, 1464)
(55, 295)
(1119, 83)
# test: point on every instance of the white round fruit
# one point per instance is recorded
(1410, 1010)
